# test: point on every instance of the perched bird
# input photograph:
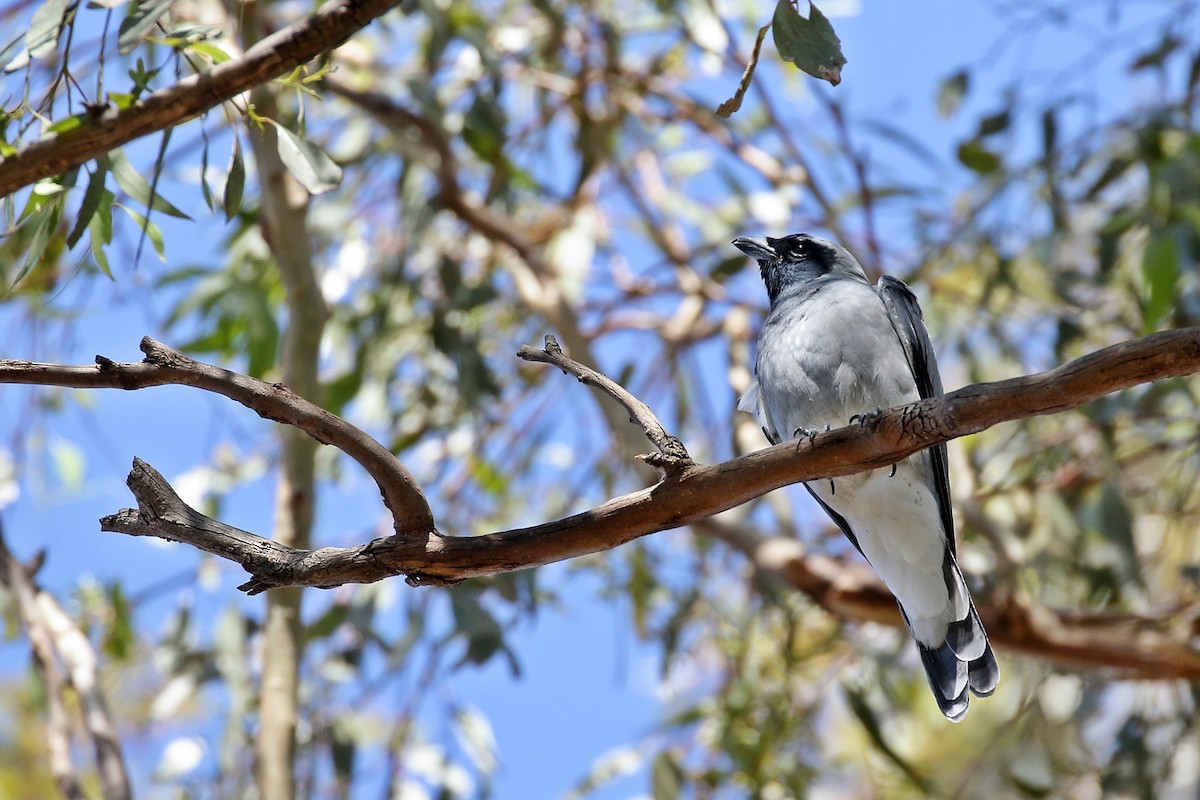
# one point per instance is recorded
(834, 348)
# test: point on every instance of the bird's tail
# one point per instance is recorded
(964, 661)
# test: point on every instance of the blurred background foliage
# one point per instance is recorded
(487, 172)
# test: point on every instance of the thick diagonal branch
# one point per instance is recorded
(165, 366)
(324, 29)
(699, 492)
(1139, 646)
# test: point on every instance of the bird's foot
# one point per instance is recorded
(866, 419)
(807, 433)
(892, 474)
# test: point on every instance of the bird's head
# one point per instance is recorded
(797, 259)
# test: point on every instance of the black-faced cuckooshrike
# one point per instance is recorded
(832, 347)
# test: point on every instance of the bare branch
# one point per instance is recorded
(326, 28)
(79, 658)
(731, 106)
(671, 453)
(1148, 647)
(162, 513)
(698, 492)
(54, 637)
(166, 366)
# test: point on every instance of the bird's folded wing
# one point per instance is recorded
(909, 324)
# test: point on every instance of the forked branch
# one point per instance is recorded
(688, 494)
(166, 366)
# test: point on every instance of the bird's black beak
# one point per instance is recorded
(756, 247)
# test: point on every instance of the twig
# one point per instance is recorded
(166, 366)
(728, 108)
(163, 514)
(671, 455)
(275, 55)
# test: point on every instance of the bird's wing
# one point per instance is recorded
(838, 520)
(752, 402)
(909, 324)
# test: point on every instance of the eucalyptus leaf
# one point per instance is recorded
(205, 191)
(16, 46)
(810, 43)
(100, 232)
(235, 182)
(309, 164)
(132, 182)
(44, 27)
(1160, 272)
(973, 155)
(40, 222)
(139, 22)
(666, 777)
(91, 202)
(147, 227)
(952, 91)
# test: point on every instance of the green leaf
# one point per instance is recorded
(122, 100)
(994, 123)
(133, 184)
(490, 477)
(666, 777)
(235, 182)
(325, 625)
(91, 202)
(871, 724)
(342, 750)
(100, 231)
(810, 43)
(68, 124)
(118, 630)
(978, 158)
(308, 163)
(1049, 133)
(41, 222)
(44, 27)
(204, 190)
(484, 635)
(138, 23)
(1160, 271)
(147, 227)
(952, 92)
(483, 128)
(13, 47)
(70, 464)
(215, 54)
(141, 77)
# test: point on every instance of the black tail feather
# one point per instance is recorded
(964, 662)
(948, 678)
